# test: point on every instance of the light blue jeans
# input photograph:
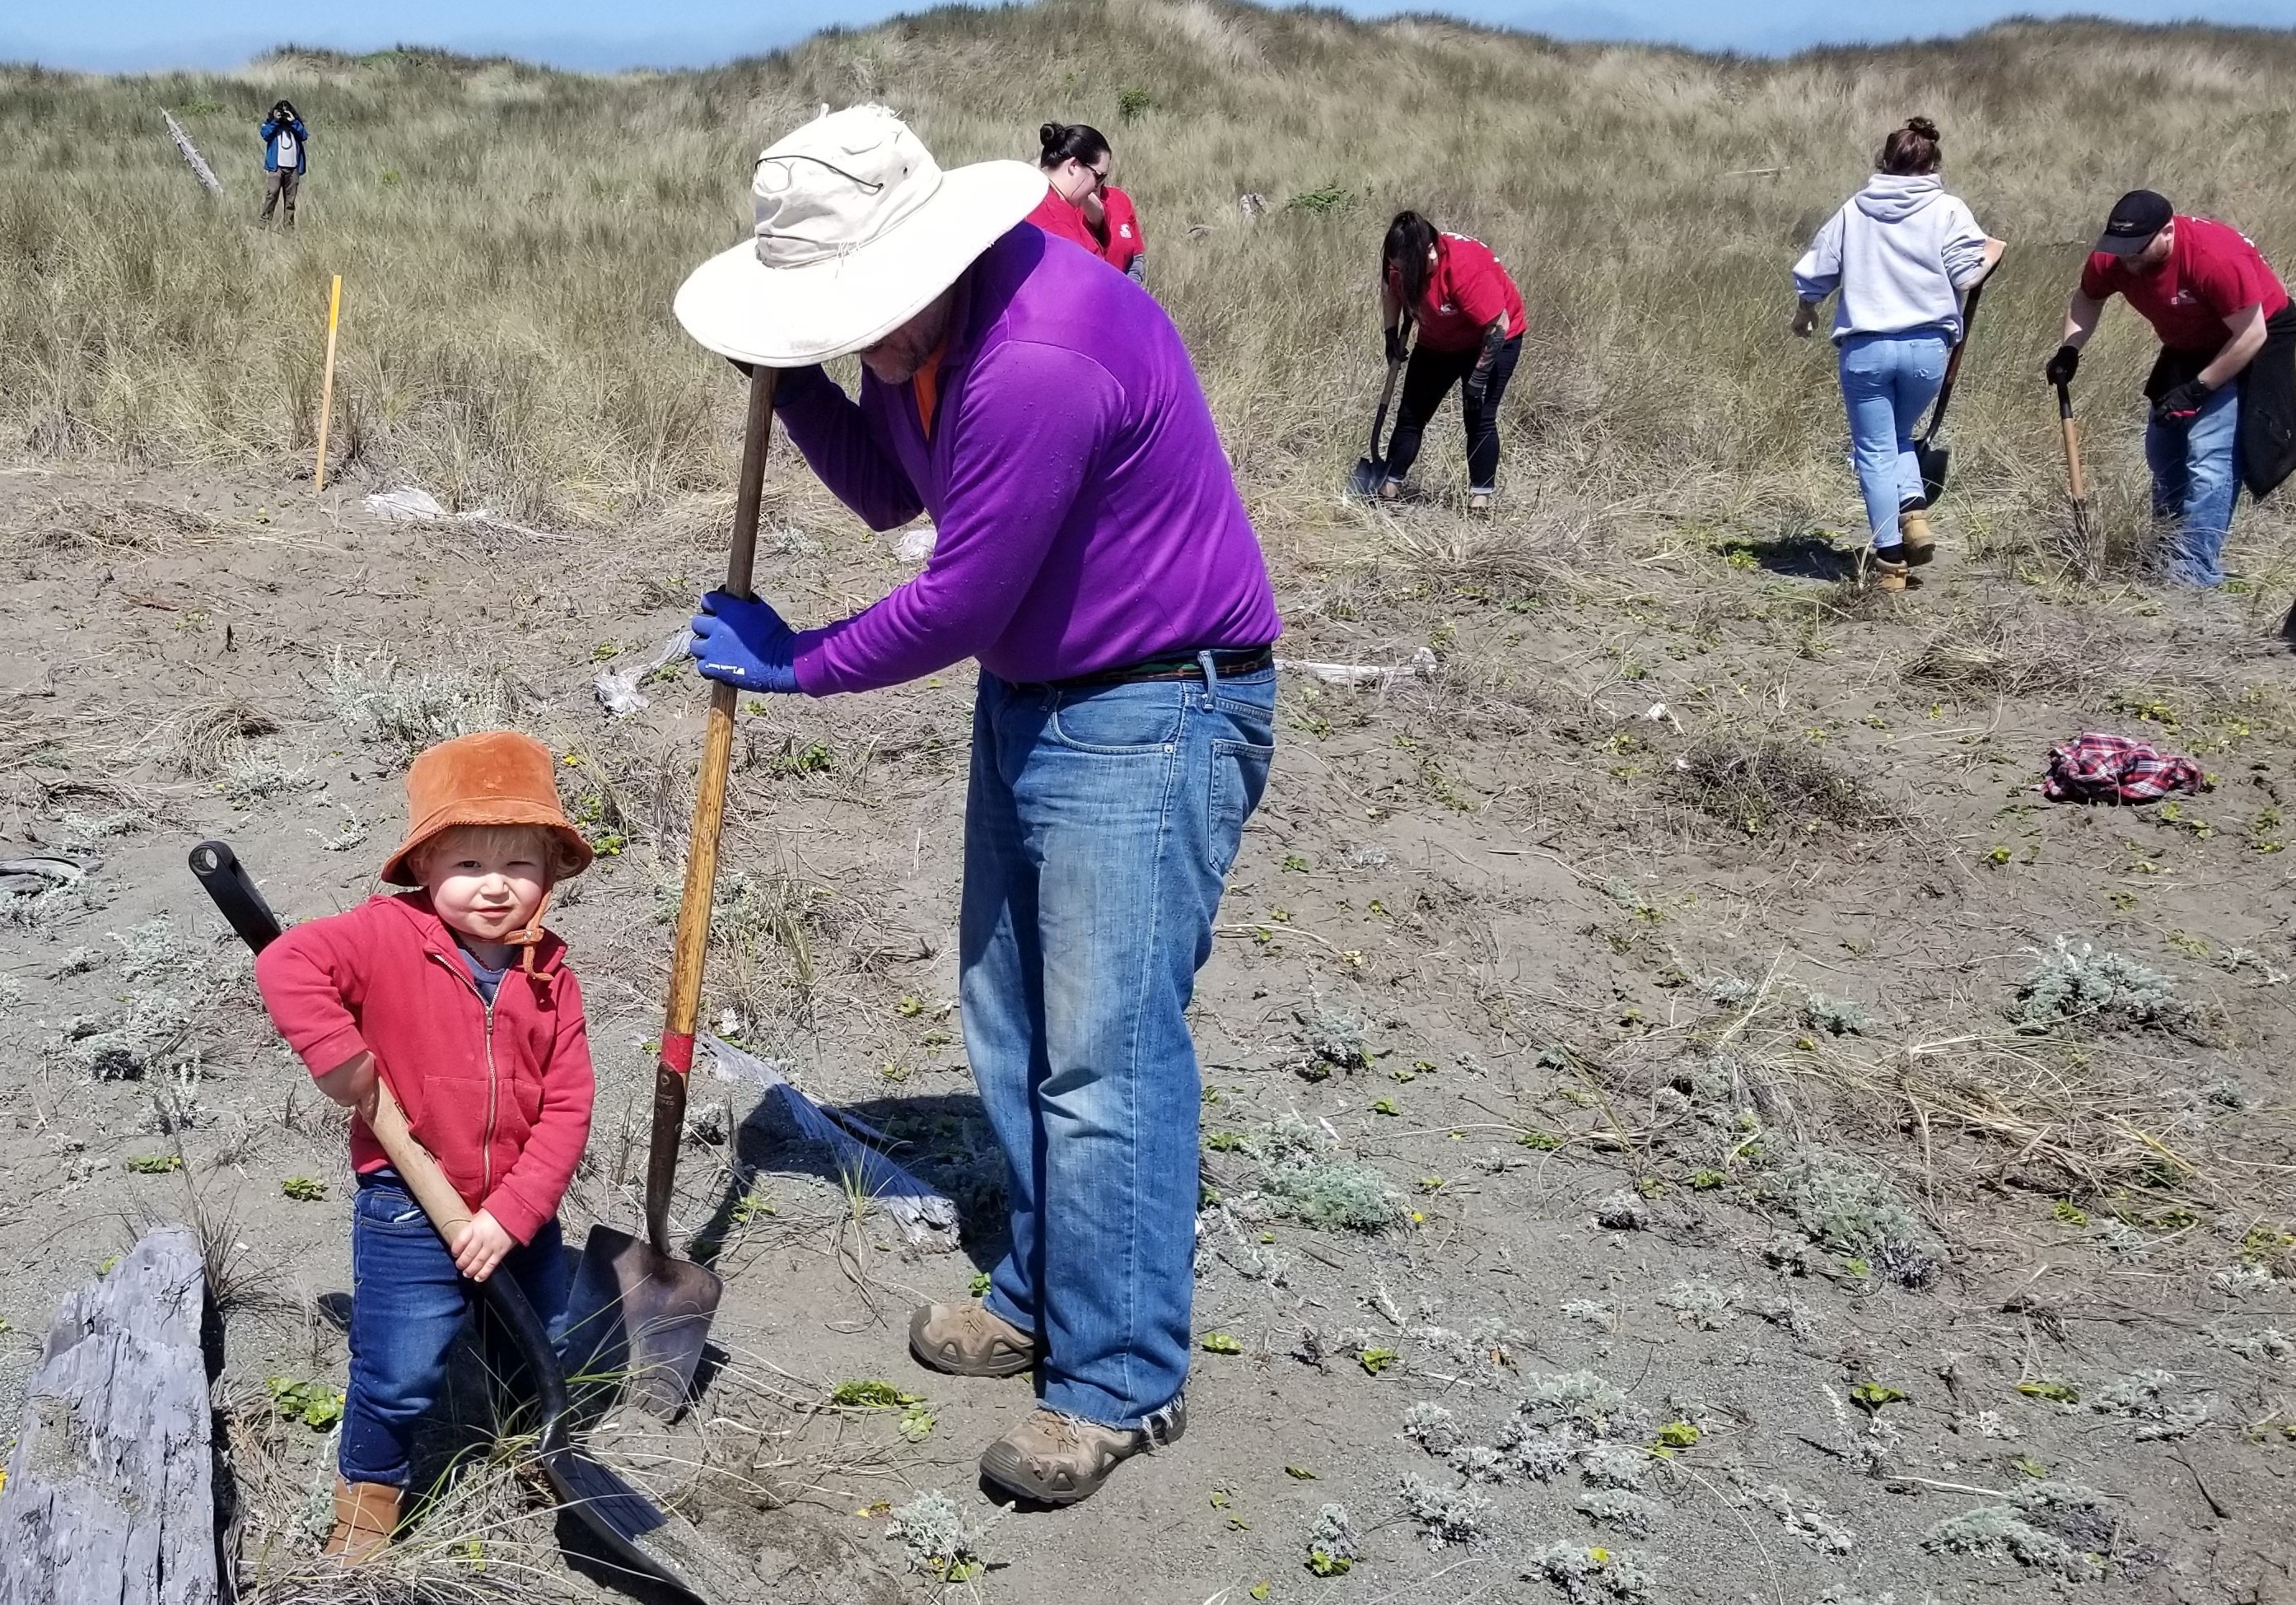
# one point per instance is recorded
(1888, 382)
(1099, 828)
(2197, 481)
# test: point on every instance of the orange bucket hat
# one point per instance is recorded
(496, 777)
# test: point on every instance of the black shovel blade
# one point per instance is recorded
(1934, 461)
(1365, 481)
(633, 1534)
(638, 1317)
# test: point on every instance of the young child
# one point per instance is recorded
(487, 1052)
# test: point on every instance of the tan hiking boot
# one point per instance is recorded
(366, 1514)
(1390, 490)
(1479, 504)
(965, 1341)
(1055, 1459)
(1886, 574)
(1914, 537)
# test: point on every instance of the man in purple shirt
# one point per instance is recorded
(1093, 555)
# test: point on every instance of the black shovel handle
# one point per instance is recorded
(1953, 362)
(228, 883)
(1387, 392)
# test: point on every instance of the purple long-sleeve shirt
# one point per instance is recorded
(1088, 517)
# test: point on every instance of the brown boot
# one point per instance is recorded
(1055, 1459)
(1914, 536)
(1887, 574)
(366, 1514)
(965, 1341)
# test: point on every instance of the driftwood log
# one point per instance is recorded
(200, 168)
(110, 1493)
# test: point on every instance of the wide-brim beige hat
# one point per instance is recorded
(858, 229)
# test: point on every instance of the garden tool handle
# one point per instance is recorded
(692, 942)
(416, 1164)
(2072, 433)
(1387, 390)
(1953, 362)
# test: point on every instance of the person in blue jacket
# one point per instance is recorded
(286, 145)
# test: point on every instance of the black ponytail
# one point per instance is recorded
(1069, 141)
(1409, 238)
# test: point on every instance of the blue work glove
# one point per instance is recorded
(744, 644)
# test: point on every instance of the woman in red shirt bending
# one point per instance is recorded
(1470, 323)
(1082, 206)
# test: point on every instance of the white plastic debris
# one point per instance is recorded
(915, 545)
(411, 504)
(1422, 662)
(618, 688)
(1660, 713)
(406, 505)
(927, 1217)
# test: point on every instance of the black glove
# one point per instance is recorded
(2179, 406)
(1395, 346)
(2064, 365)
(1478, 387)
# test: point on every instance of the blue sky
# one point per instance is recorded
(605, 34)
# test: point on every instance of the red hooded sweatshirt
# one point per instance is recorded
(501, 1095)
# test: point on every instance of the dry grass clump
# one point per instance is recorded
(212, 736)
(1774, 786)
(2001, 652)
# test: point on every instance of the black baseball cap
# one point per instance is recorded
(2136, 218)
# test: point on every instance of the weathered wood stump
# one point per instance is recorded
(110, 1495)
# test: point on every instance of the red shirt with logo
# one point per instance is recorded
(2213, 271)
(1467, 290)
(1123, 225)
(1063, 221)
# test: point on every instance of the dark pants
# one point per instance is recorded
(280, 186)
(408, 1304)
(1426, 380)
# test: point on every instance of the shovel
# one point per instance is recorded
(1935, 459)
(638, 1311)
(626, 1524)
(2074, 479)
(1370, 469)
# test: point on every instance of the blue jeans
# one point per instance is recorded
(1888, 382)
(408, 1304)
(1099, 828)
(2197, 481)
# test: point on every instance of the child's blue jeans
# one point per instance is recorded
(408, 1304)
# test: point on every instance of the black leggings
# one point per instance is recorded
(1426, 380)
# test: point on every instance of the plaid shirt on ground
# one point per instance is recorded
(2096, 767)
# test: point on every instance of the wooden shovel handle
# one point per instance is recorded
(692, 942)
(414, 1162)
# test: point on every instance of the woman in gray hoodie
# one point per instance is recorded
(1901, 251)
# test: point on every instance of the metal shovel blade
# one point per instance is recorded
(638, 1317)
(1935, 461)
(1365, 481)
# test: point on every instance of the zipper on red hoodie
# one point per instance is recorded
(487, 1141)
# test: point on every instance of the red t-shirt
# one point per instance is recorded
(2213, 271)
(1123, 225)
(1062, 221)
(1466, 291)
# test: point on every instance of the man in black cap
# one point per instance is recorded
(2224, 388)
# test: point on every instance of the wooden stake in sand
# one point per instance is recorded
(327, 384)
(200, 168)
